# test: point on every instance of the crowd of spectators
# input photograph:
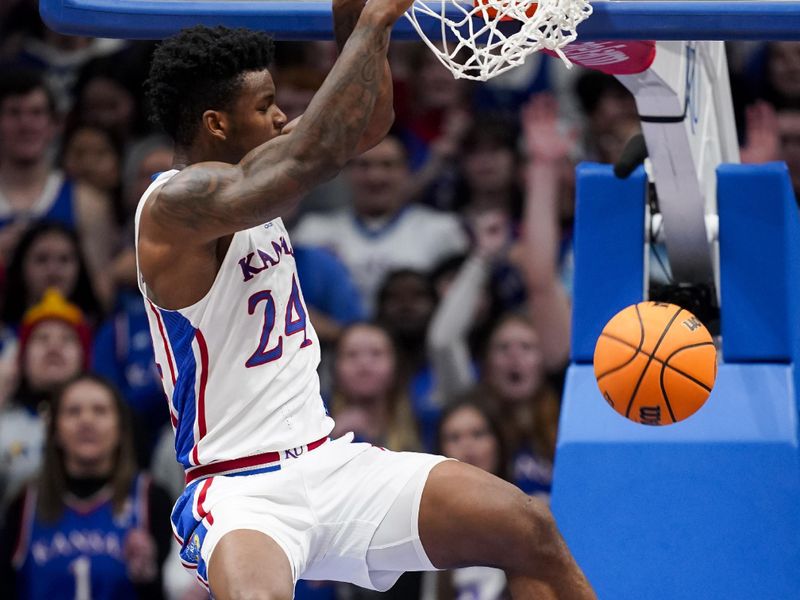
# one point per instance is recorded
(436, 269)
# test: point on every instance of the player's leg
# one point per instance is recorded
(470, 517)
(248, 564)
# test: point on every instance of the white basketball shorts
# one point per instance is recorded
(342, 512)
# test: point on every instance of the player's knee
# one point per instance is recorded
(260, 594)
(540, 529)
(257, 589)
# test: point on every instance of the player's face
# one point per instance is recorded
(365, 363)
(378, 179)
(467, 436)
(53, 354)
(51, 261)
(514, 362)
(26, 127)
(87, 426)
(255, 117)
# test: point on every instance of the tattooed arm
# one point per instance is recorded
(207, 201)
(345, 18)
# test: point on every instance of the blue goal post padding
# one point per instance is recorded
(612, 217)
(759, 245)
(629, 20)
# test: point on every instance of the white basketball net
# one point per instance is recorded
(476, 43)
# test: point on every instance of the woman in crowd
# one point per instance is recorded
(367, 399)
(53, 348)
(471, 432)
(515, 382)
(528, 398)
(48, 255)
(90, 526)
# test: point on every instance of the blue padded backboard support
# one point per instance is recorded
(757, 204)
(705, 509)
(612, 219)
(649, 20)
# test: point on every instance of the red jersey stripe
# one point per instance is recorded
(201, 497)
(256, 460)
(164, 339)
(201, 394)
(201, 401)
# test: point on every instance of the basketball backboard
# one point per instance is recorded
(311, 19)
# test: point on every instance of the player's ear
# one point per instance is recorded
(216, 123)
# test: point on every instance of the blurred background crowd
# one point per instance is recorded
(436, 268)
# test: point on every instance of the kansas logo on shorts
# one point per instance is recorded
(190, 532)
(192, 550)
(190, 554)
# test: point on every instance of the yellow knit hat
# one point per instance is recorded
(53, 306)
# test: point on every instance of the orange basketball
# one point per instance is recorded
(655, 363)
(491, 13)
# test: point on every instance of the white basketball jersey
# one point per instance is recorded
(239, 367)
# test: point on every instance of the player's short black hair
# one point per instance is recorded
(22, 81)
(200, 69)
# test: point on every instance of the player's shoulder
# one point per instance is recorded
(157, 181)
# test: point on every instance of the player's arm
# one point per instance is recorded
(210, 200)
(345, 18)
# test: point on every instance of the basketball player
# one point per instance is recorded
(269, 498)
